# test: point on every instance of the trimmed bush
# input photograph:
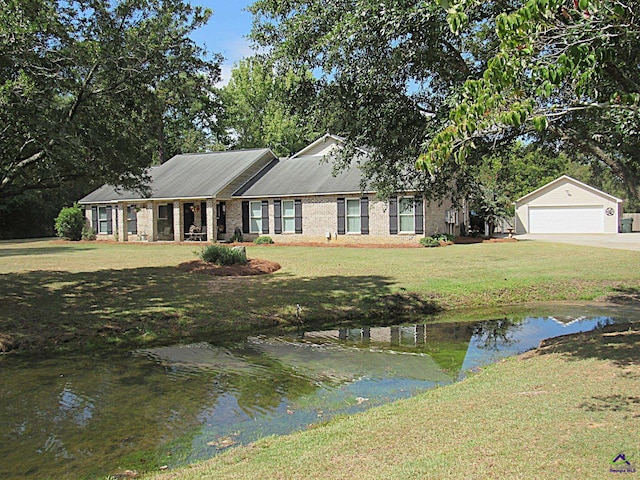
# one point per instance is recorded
(263, 240)
(70, 223)
(221, 255)
(429, 242)
(444, 237)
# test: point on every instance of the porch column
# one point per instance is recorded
(212, 228)
(178, 220)
(115, 231)
(151, 228)
(122, 222)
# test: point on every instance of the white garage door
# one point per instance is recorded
(566, 219)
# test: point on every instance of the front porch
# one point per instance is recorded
(189, 220)
(177, 221)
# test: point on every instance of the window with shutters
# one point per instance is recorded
(288, 216)
(406, 212)
(103, 220)
(353, 215)
(255, 217)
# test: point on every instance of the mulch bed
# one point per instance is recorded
(254, 266)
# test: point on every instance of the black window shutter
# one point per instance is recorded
(393, 215)
(133, 223)
(265, 216)
(364, 215)
(298, 214)
(418, 209)
(94, 219)
(341, 219)
(277, 216)
(245, 216)
(109, 221)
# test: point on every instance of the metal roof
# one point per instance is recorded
(311, 175)
(196, 175)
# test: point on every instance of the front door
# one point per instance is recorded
(221, 217)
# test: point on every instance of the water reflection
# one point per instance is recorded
(90, 416)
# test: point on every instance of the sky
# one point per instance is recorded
(226, 31)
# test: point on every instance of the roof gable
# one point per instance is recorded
(196, 175)
(320, 147)
(562, 180)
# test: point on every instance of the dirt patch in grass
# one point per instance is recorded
(254, 266)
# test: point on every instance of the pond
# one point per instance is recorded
(92, 416)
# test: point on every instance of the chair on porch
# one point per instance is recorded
(195, 233)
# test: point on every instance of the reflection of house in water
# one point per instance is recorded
(394, 336)
(566, 321)
(446, 343)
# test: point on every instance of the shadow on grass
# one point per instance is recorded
(49, 250)
(152, 306)
(624, 295)
(618, 343)
(612, 403)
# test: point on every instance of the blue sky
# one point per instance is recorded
(225, 33)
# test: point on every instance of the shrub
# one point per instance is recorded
(221, 255)
(88, 233)
(70, 222)
(444, 237)
(263, 240)
(429, 242)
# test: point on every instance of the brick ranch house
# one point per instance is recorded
(297, 199)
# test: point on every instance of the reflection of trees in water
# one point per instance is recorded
(268, 384)
(493, 334)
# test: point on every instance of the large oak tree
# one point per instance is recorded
(93, 90)
(449, 82)
(566, 71)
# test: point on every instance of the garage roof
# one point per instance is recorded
(564, 178)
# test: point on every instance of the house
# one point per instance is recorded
(296, 199)
(566, 205)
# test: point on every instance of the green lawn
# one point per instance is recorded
(563, 412)
(64, 295)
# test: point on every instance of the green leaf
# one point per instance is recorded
(539, 123)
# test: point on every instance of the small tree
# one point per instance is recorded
(70, 222)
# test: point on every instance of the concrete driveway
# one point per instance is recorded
(623, 241)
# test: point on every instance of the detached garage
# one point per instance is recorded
(568, 206)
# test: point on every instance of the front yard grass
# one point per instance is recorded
(72, 296)
(564, 411)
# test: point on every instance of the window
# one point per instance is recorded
(353, 215)
(288, 216)
(132, 219)
(104, 222)
(405, 215)
(255, 217)
(163, 212)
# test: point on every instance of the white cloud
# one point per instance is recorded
(234, 50)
